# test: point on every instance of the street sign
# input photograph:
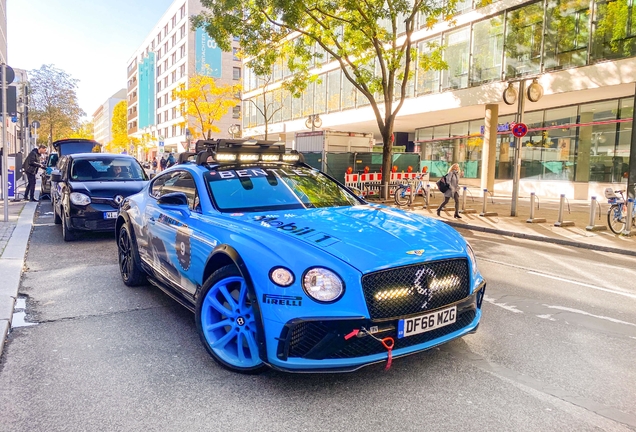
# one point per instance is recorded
(14, 119)
(10, 74)
(11, 182)
(35, 124)
(520, 130)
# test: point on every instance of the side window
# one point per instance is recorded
(157, 188)
(61, 166)
(183, 182)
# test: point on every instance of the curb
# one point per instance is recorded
(542, 238)
(11, 265)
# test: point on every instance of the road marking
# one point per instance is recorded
(577, 311)
(502, 305)
(633, 296)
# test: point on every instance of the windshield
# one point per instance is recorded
(274, 187)
(107, 169)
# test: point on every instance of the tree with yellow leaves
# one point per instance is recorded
(202, 103)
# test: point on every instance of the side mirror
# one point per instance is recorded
(176, 201)
(357, 192)
(152, 175)
(56, 176)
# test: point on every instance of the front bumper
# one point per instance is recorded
(91, 218)
(319, 344)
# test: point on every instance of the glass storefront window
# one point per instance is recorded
(487, 51)
(320, 102)
(567, 34)
(333, 90)
(348, 93)
(427, 80)
(620, 155)
(597, 142)
(614, 30)
(440, 132)
(456, 54)
(424, 134)
(523, 40)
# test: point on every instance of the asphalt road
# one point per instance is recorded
(556, 350)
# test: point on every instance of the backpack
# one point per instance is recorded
(442, 184)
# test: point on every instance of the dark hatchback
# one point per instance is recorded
(89, 188)
(63, 147)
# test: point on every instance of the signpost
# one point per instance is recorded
(7, 76)
(161, 148)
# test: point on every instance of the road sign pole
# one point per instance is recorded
(5, 151)
(517, 163)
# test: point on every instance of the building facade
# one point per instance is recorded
(171, 53)
(3, 31)
(103, 117)
(582, 53)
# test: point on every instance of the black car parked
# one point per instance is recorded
(89, 188)
(63, 147)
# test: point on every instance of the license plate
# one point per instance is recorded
(110, 215)
(426, 322)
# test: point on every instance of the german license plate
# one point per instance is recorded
(427, 322)
(110, 215)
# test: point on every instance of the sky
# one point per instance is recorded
(91, 40)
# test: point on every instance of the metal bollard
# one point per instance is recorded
(628, 218)
(533, 219)
(591, 226)
(560, 222)
(427, 192)
(464, 210)
(484, 211)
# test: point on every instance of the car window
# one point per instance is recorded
(156, 190)
(107, 168)
(183, 182)
(53, 158)
(258, 188)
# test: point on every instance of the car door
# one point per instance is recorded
(56, 187)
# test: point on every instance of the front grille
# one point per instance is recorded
(108, 201)
(416, 288)
(325, 339)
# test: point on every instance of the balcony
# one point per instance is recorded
(132, 68)
(132, 130)
(132, 99)
(132, 116)
(132, 86)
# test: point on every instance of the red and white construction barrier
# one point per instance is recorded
(369, 183)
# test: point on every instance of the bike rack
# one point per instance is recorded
(533, 219)
(464, 210)
(627, 231)
(484, 211)
(591, 227)
(560, 222)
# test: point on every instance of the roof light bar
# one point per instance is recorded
(248, 157)
(270, 157)
(291, 157)
(225, 157)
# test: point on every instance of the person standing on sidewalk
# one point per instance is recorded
(31, 165)
(452, 178)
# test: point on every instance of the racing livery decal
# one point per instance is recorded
(320, 238)
(282, 300)
(183, 247)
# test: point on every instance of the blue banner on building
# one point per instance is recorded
(147, 91)
(208, 55)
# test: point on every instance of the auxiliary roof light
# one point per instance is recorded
(270, 157)
(248, 157)
(291, 157)
(225, 157)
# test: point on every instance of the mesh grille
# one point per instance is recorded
(413, 289)
(307, 334)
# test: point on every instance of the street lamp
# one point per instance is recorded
(313, 121)
(534, 93)
(234, 130)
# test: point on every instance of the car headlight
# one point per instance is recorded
(322, 284)
(281, 276)
(473, 259)
(80, 199)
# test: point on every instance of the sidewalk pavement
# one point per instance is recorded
(18, 231)
(502, 223)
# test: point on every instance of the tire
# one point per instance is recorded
(67, 233)
(128, 258)
(226, 322)
(615, 219)
(402, 196)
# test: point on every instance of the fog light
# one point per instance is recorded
(281, 276)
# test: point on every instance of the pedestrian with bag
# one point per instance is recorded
(451, 179)
(30, 166)
(162, 163)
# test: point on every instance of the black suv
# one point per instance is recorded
(90, 187)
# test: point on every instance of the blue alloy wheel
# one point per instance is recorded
(226, 321)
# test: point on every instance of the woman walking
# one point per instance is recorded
(452, 178)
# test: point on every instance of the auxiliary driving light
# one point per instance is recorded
(225, 157)
(322, 284)
(248, 157)
(281, 276)
(291, 157)
(392, 294)
(444, 283)
(270, 157)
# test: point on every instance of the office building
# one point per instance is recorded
(171, 53)
(580, 131)
(103, 118)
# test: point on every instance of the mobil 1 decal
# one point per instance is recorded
(183, 247)
(293, 228)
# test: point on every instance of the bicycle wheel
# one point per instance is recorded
(615, 218)
(402, 197)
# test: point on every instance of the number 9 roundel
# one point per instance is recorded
(183, 247)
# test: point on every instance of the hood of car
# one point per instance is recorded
(368, 237)
(108, 189)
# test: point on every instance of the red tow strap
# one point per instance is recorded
(387, 343)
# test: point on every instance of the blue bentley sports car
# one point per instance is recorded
(285, 267)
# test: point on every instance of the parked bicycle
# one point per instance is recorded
(406, 192)
(617, 213)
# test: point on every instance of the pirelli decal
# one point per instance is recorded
(281, 300)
